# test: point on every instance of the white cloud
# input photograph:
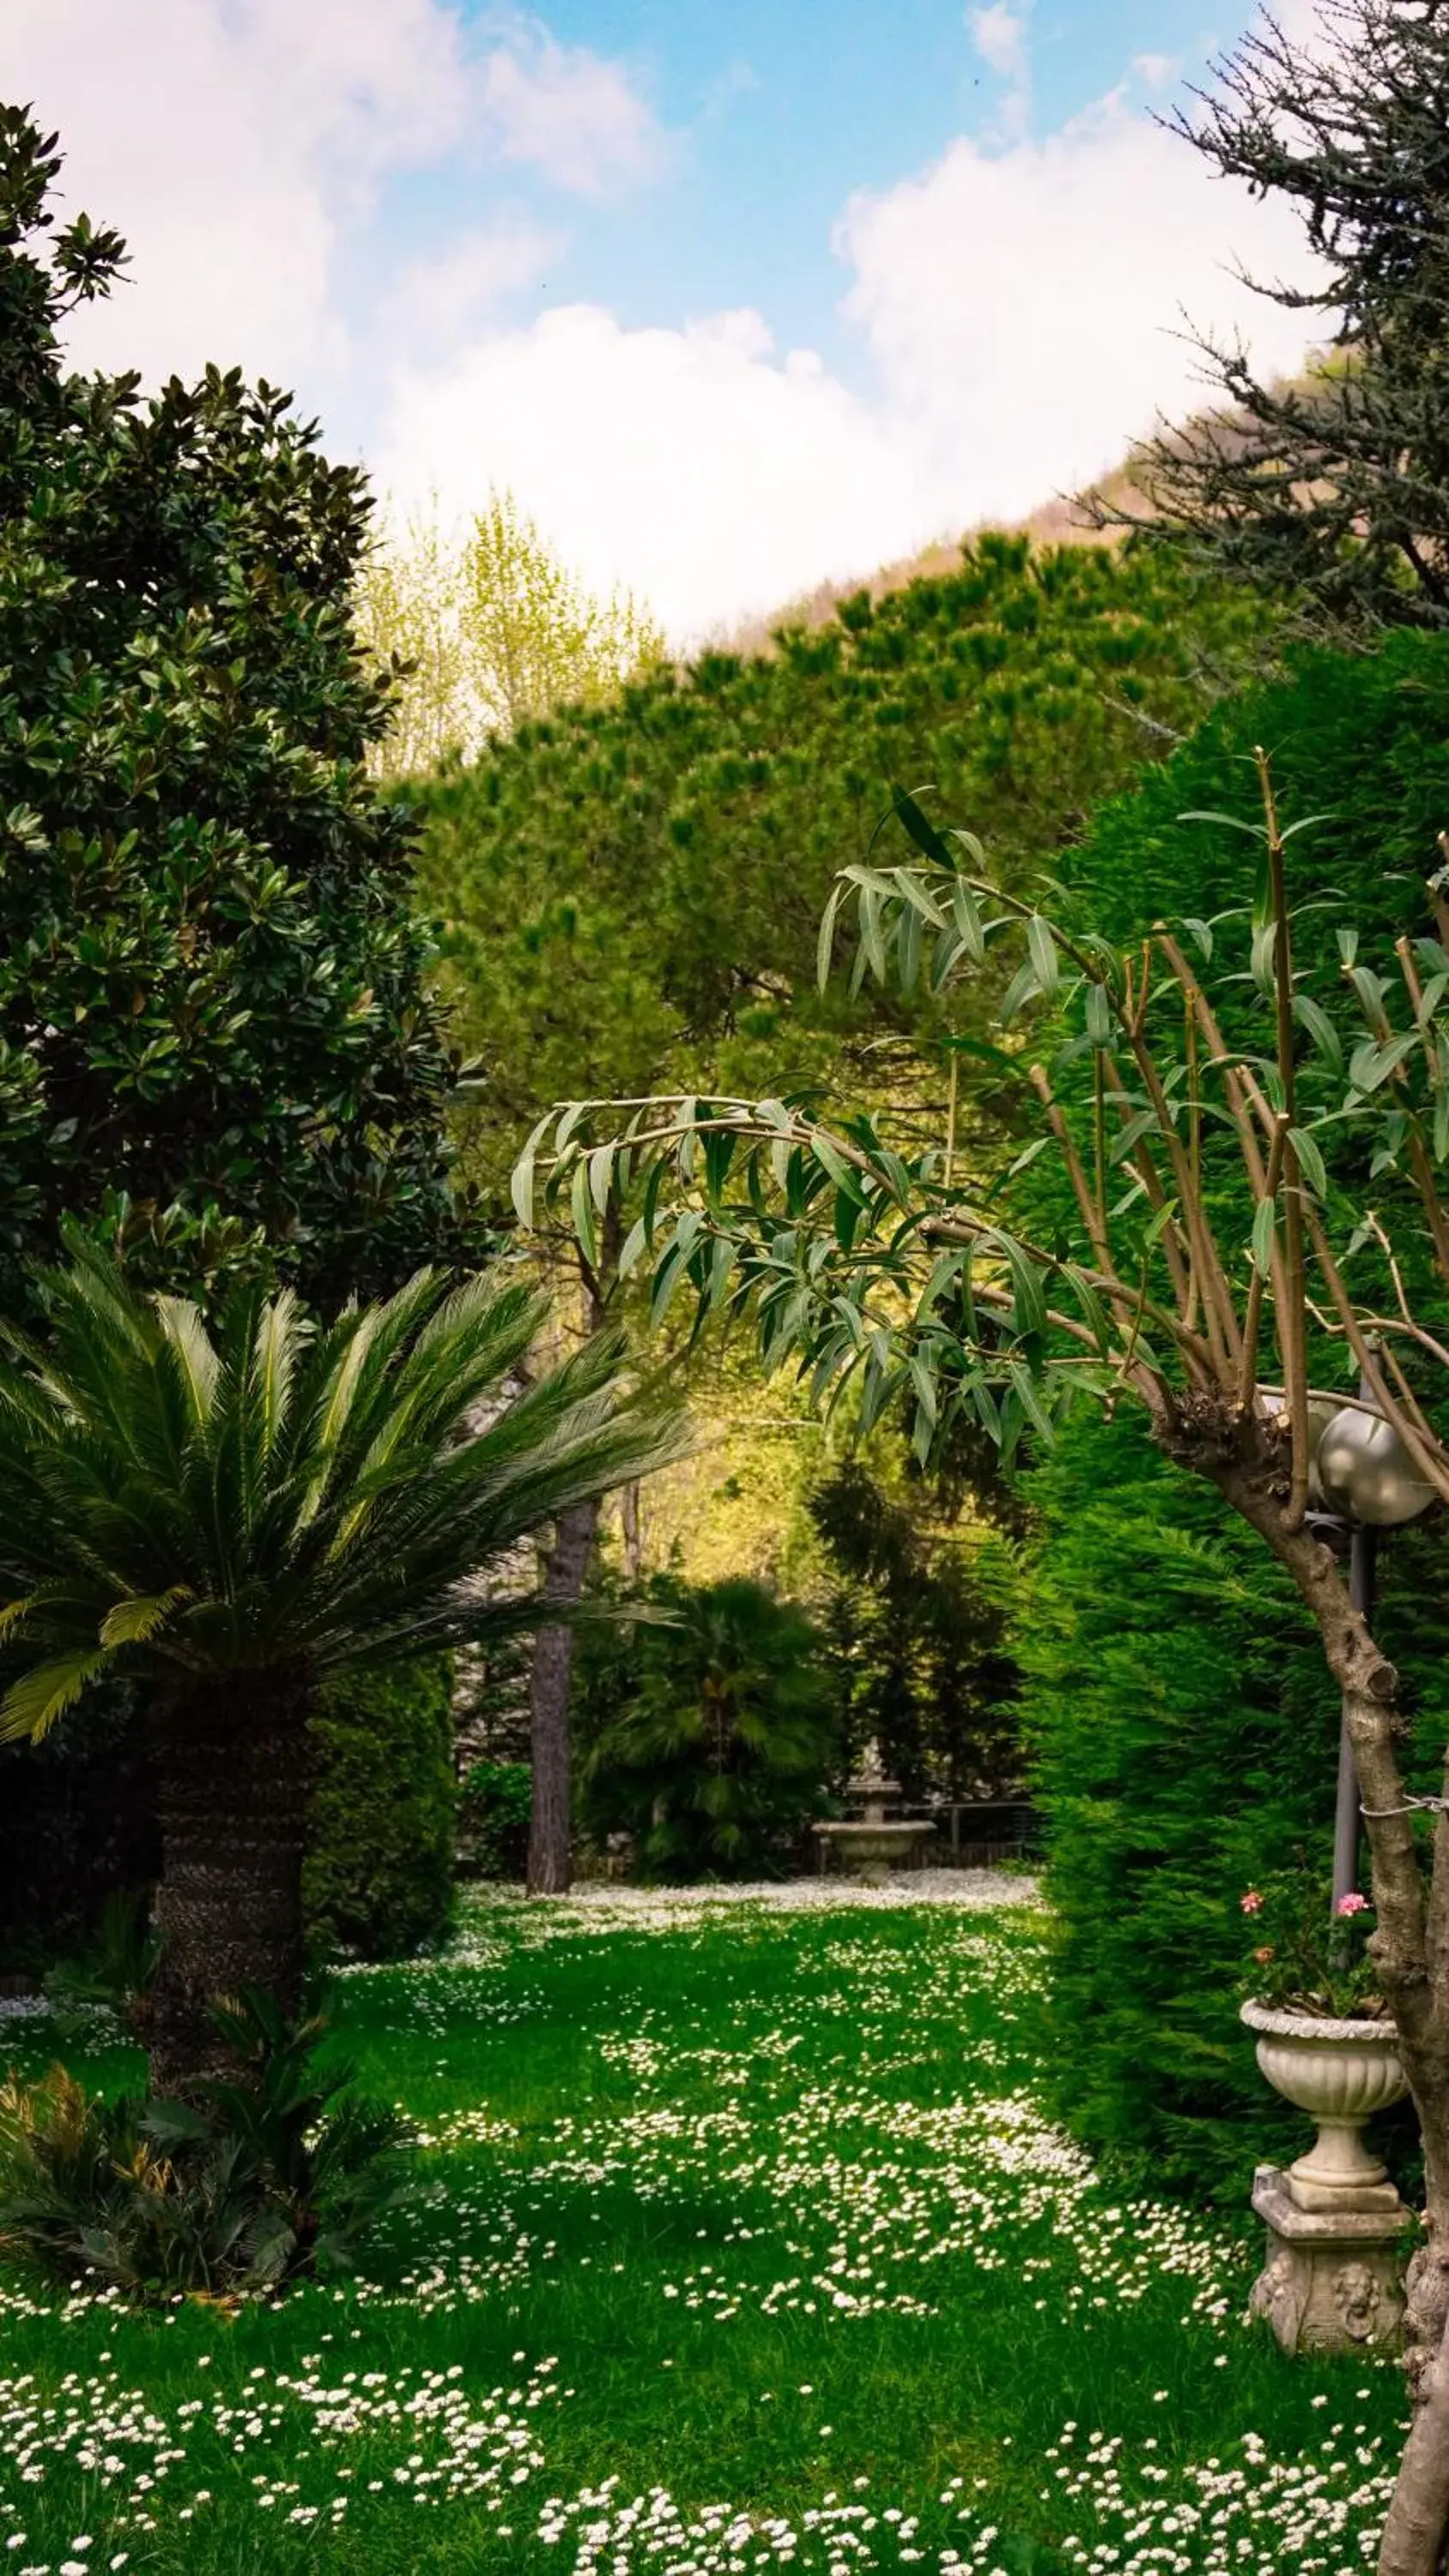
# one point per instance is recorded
(999, 34)
(1026, 307)
(237, 143)
(1024, 310)
(572, 116)
(693, 465)
(231, 145)
(437, 299)
(1014, 305)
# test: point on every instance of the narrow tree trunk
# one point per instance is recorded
(1410, 1951)
(631, 1531)
(550, 1834)
(232, 1777)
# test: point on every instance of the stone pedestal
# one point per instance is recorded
(1332, 2281)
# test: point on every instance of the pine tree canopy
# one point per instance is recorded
(632, 892)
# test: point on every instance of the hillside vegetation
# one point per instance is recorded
(630, 893)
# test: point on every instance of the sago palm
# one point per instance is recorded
(232, 1517)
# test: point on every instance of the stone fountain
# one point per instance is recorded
(876, 1842)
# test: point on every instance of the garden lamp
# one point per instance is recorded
(1366, 1474)
(1369, 1483)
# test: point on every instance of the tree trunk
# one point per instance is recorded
(631, 1530)
(1410, 1951)
(550, 1833)
(232, 1776)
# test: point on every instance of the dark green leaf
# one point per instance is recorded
(922, 831)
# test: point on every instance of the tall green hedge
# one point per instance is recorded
(1182, 1725)
(1183, 1737)
(1359, 739)
(378, 1882)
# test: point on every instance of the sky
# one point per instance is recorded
(734, 296)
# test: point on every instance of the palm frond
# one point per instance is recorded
(279, 1494)
(198, 1366)
(276, 1350)
(34, 1702)
(131, 1622)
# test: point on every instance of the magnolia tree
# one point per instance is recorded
(1241, 1194)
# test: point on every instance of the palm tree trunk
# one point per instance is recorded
(550, 1835)
(232, 1764)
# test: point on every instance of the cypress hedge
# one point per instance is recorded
(1182, 1728)
(1359, 739)
(1183, 1739)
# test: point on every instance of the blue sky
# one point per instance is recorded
(733, 298)
(781, 110)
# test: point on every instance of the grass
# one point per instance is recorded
(741, 2243)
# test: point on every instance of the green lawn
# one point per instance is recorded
(742, 2243)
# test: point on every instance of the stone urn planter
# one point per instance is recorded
(1332, 2278)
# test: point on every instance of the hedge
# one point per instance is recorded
(378, 1882)
(1183, 1728)
(1183, 1741)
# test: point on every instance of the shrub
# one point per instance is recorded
(1184, 1743)
(279, 2173)
(712, 1736)
(117, 1968)
(378, 1880)
(497, 1807)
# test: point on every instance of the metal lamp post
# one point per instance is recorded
(1332, 2281)
(1368, 1482)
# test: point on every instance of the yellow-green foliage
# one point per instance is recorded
(493, 629)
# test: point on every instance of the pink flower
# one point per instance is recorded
(1263, 1957)
(1352, 1905)
(1252, 1902)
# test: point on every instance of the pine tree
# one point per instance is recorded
(1335, 485)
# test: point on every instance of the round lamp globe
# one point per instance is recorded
(1366, 1472)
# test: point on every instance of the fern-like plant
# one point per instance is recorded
(281, 2170)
